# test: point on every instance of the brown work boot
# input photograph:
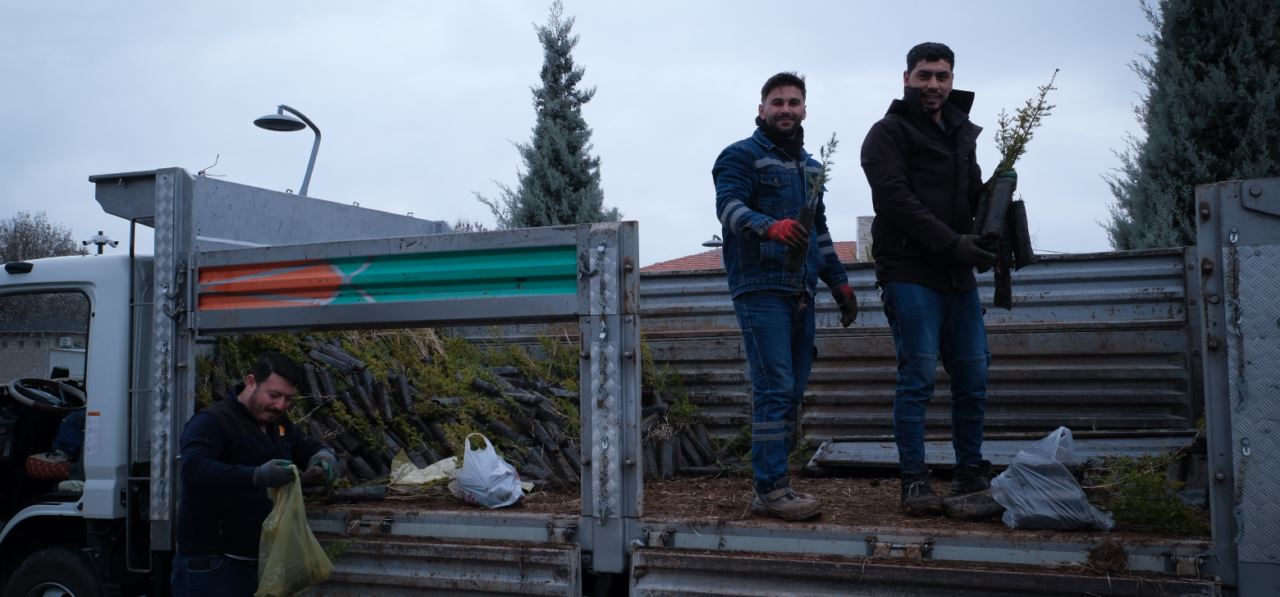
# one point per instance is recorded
(917, 495)
(786, 504)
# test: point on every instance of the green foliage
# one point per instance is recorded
(31, 236)
(561, 180)
(1141, 496)
(1016, 131)
(334, 549)
(437, 367)
(1211, 113)
(666, 382)
(739, 444)
(818, 185)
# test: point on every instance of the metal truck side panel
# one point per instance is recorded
(665, 573)
(1238, 245)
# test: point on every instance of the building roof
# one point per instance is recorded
(846, 250)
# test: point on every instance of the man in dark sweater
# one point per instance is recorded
(231, 453)
(925, 184)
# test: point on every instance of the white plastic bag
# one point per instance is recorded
(486, 479)
(1038, 492)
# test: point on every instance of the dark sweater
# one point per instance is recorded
(221, 511)
(925, 183)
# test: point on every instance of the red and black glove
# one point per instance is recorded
(848, 303)
(788, 232)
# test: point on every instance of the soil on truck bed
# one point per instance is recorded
(862, 502)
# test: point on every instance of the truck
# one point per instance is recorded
(1129, 346)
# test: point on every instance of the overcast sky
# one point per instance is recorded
(420, 102)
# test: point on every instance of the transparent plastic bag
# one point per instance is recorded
(1058, 445)
(486, 479)
(1038, 492)
(289, 558)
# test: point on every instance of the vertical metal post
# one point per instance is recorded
(1238, 242)
(609, 324)
(171, 377)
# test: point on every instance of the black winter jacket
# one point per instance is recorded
(221, 512)
(925, 183)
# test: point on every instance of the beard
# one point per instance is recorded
(916, 97)
(771, 127)
(260, 409)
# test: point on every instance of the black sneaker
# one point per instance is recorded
(917, 495)
(971, 478)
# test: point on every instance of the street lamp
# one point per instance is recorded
(283, 122)
(714, 243)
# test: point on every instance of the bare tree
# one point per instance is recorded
(31, 236)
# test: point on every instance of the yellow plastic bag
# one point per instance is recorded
(289, 558)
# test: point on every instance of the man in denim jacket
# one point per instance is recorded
(762, 182)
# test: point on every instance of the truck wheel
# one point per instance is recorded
(53, 572)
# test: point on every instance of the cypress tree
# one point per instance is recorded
(1211, 113)
(561, 180)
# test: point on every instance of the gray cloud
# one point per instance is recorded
(420, 102)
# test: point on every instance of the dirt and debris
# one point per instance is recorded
(862, 502)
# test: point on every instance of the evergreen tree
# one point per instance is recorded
(26, 236)
(561, 180)
(1211, 113)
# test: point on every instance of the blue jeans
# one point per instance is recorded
(777, 332)
(213, 576)
(927, 323)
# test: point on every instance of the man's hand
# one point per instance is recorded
(274, 473)
(788, 232)
(323, 467)
(848, 303)
(967, 250)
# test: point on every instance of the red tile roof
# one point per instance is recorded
(845, 250)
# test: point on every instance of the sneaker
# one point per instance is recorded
(786, 504)
(971, 478)
(917, 495)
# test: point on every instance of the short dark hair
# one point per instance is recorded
(270, 361)
(928, 52)
(787, 79)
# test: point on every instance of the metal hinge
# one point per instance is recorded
(908, 550)
(369, 526)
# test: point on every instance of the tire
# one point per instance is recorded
(54, 572)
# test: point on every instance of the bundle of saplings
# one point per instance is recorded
(373, 394)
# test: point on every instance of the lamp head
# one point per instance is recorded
(279, 122)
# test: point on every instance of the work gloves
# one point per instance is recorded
(847, 302)
(322, 469)
(274, 473)
(788, 232)
(968, 249)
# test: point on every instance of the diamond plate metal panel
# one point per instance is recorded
(162, 450)
(1253, 351)
(606, 422)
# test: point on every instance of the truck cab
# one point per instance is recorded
(65, 406)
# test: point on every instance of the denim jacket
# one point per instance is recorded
(757, 184)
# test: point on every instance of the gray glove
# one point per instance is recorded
(273, 473)
(967, 250)
(326, 463)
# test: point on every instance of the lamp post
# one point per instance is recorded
(283, 122)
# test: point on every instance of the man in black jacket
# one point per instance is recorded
(925, 183)
(231, 453)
